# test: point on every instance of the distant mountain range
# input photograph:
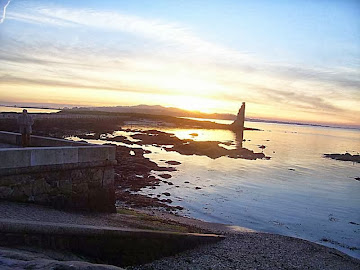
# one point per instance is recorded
(176, 112)
(159, 110)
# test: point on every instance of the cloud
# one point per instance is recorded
(4, 10)
(168, 33)
(94, 50)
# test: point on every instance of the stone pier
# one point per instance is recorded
(59, 173)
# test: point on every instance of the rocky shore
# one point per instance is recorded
(134, 170)
(242, 249)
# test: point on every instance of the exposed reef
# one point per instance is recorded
(344, 157)
(211, 149)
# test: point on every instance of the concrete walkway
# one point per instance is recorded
(121, 239)
(31, 212)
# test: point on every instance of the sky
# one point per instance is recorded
(288, 60)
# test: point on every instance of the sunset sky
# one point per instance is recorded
(289, 60)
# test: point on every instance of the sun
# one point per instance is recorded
(192, 103)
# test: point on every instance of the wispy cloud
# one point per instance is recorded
(172, 34)
(168, 59)
(4, 10)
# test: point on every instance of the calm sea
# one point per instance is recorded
(297, 192)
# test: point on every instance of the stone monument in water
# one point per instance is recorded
(238, 125)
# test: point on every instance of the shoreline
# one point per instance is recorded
(240, 249)
(223, 228)
(129, 193)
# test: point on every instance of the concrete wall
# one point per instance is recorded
(37, 156)
(76, 175)
(15, 139)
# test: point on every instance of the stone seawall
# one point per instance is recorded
(86, 186)
(74, 176)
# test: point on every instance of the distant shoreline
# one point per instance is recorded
(179, 113)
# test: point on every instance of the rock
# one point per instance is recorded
(173, 162)
(187, 182)
(165, 175)
(357, 178)
(197, 187)
(344, 157)
(353, 223)
(166, 193)
(291, 169)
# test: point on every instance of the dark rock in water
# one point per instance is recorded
(197, 187)
(228, 143)
(262, 146)
(173, 162)
(166, 193)
(95, 136)
(344, 157)
(120, 138)
(186, 182)
(210, 149)
(170, 184)
(357, 178)
(353, 223)
(165, 175)
(291, 169)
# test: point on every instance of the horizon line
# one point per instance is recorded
(248, 118)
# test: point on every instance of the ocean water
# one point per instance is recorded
(297, 192)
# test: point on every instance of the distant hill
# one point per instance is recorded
(159, 110)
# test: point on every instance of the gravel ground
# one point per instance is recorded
(242, 248)
(257, 251)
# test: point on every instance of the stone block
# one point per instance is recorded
(108, 178)
(94, 153)
(40, 186)
(65, 186)
(6, 192)
(56, 155)
(15, 158)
